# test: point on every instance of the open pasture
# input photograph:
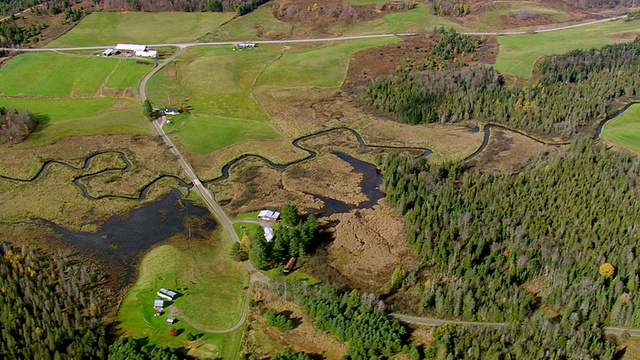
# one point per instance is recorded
(213, 81)
(47, 74)
(64, 117)
(204, 134)
(128, 73)
(106, 28)
(322, 66)
(519, 53)
(624, 130)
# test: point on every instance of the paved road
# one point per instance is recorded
(435, 322)
(205, 194)
(340, 38)
(142, 87)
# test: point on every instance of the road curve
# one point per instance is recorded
(416, 320)
(142, 87)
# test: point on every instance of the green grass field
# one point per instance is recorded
(625, 129)
(47, 74)
(213, 289)
(258, 24)
(106, 28)
(518, 53)
(203, 134)
(64, 117)
(213, 81)
(128, 73)
(322, 66)
(416, 20)
(490, 20)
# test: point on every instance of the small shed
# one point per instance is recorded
(289, 265)
(109, 52)
(268, 233)
(171, 111)
(171, 320)
(158, 304)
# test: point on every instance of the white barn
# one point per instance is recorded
(130, 48)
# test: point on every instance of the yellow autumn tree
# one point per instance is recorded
(607, 270)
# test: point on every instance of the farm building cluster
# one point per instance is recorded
(159, 304)
(131, 50)
(268, 215)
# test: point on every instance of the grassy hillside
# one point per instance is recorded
(106, 28)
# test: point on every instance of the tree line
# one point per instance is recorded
(499, 247)
(241, 7)
(575, 90)
(16, 124)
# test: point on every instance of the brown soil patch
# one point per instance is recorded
(626, 36)
(507, 150)
(411, 53)
(368, 245)
(264, 341)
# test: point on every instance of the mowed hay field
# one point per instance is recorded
(212, 292)
(624, 130)
(519, 53)
(48, 74)
(65, 92)
(105, 28)
(204, 134)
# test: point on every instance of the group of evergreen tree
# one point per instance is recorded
(16, 124)
(575, 89)
(498, 247)
(130, 349)
(534, 340)
(293, 237)
(352, 317)
(12, 34)
(48, 308)
(278, 320)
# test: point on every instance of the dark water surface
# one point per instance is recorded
(120, 242)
